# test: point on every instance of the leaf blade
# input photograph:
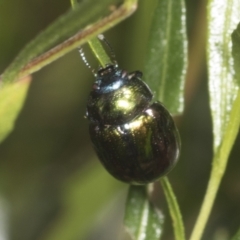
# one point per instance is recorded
(224, 97)
(142, 220)
(223, 18)
(166, 59)
(65, 32)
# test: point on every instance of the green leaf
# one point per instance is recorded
(142, 219)
(223, 18)
(65, 35)
(175, 213)
(12, 98)
(166, 60)
(64, 27)
(224, 92)
(237, 235)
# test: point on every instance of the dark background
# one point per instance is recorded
(50, 147)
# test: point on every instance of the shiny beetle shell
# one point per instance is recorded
(136, 140)
(117, 97)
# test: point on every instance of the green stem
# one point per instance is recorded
(99, 52)
(174, 209)
(96, 46)
(208, 201)
(218, 169)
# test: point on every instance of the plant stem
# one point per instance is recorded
(206, 208)
(99, 52)
(218, 169)
(175, 213)
(96, 46)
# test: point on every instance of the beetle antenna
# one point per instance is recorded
(82, 54)
(113, 56)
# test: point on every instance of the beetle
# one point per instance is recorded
(135, 138)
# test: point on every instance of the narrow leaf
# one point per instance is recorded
(175, 213)
(166, 60)
(224, 96)
(64, 35)
(11, 100)
(223, 18)
(237, 235)
(142, 219)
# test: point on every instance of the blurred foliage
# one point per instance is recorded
(48, 156)
(11, 100)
